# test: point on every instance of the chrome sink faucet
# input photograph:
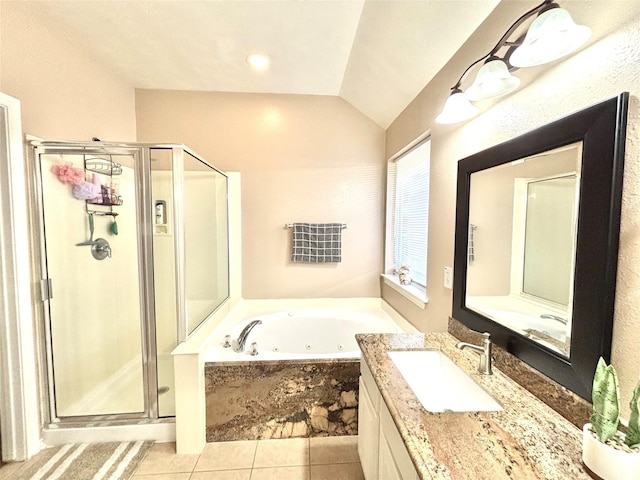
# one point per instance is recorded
(238, 344)
(485, 353)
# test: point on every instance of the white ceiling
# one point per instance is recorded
(376, 54)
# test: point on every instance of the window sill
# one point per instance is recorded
(413, 293)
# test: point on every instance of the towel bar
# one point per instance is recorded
(290, 225)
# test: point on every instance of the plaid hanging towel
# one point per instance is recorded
(316, 242)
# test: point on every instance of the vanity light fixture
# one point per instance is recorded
(552, 35)
(458, 108)
(493, 80)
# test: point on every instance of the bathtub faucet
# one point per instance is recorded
(238, 345)
(485, 353)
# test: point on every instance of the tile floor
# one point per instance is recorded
(330, 458)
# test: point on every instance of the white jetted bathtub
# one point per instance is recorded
(299, 334)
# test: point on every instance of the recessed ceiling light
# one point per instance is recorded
(258, 61)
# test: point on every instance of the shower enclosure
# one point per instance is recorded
(133, 256)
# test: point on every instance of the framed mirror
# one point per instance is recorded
(536, 244)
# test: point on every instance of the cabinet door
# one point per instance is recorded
(390, 437)
(368, 430)
(387, 465)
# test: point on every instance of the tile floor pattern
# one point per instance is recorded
(328, 458)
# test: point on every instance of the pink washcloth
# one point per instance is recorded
(67, 173)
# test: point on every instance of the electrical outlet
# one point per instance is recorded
(448, 277)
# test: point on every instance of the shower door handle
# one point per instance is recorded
(46, 289)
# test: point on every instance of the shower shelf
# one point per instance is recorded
(109, 196)
(107, 200)
(106, 167)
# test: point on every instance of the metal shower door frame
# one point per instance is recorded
(40, 274)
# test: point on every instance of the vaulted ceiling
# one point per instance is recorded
(376, 54)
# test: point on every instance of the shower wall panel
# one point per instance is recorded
(164, 265)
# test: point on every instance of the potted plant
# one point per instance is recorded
(606, 451)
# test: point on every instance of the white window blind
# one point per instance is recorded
(408, 185)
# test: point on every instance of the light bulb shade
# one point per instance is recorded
(493, 80)
(552, 35)
(457, 109)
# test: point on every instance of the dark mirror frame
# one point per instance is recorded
(602, 131)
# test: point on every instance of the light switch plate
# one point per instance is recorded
(448, 277)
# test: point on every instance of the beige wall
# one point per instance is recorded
(608, 66)
(302, 159)
(65, 93)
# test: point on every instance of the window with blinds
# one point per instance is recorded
(408, 194)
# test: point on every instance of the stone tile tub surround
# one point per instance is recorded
(572, 407)
(281, 399)
(527, 440)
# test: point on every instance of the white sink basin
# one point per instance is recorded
(440, 384)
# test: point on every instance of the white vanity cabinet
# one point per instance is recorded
(383, 455)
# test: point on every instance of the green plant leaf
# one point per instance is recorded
(596, 392)
(633, 431)
(606, 404)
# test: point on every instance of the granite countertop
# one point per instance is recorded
(526, 440)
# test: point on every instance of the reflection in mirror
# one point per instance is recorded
(522, 240)
(549, 238)
(206, 240)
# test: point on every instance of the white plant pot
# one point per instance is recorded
(607, 462)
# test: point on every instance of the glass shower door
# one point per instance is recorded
(95, 320)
